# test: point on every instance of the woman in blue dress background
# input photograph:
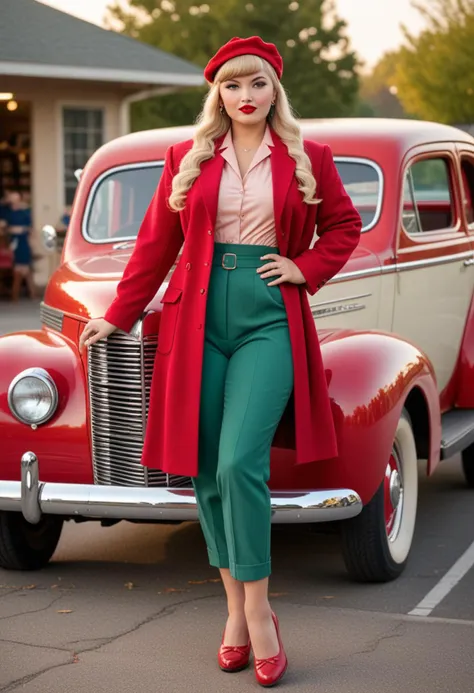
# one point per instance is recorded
(18, 217)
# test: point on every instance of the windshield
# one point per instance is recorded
(119, 200)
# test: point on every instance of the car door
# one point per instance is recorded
(435, 273)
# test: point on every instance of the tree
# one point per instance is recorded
(378, 89)
(320, 68)
(434, 70)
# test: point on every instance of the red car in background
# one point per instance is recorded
(396, 327)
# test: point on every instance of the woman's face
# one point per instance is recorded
(253, 93)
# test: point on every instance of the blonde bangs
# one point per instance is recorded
(241, 66)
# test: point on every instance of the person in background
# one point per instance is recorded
(18, 218)
(6, 255)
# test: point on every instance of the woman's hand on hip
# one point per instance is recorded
(281, 267)
(95, 330)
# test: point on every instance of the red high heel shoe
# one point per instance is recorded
(233, 658)
(270, 671)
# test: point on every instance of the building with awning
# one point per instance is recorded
(66, 87)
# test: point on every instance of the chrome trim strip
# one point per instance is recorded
(339, 300)
(337, 310)
(121, 502)
(378, 170)
(432, 262)
(93, 190)
(371, 271)
(401, 267)
(51, 317)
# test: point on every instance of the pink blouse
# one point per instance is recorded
(245, 206)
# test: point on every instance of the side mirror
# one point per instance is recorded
(50, 237)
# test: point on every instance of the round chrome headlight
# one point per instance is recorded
(33, 396)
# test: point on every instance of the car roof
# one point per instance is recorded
(350, 136)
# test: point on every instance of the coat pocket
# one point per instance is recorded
(169, 316)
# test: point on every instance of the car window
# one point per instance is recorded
(467, 171)
(118, 203)
(363, 182)
(427, 196)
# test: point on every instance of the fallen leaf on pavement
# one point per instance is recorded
(215, 580)
(28, 587)
(64, 611)
(129, 585)
(75, 658)
(174, 589)
(277, 594)
(197, 582)
(328, 597)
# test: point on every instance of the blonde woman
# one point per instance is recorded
(236, 336)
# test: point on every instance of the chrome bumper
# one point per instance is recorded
(33, 498)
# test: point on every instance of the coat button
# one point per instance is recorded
(206, 264)
(203, 291)
(209, 232)
(188, 265)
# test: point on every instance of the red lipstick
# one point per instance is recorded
(247, 109)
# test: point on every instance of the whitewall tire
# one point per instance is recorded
(376, 544)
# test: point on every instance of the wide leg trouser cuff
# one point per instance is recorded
(249, 573)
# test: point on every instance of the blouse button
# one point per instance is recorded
(209, 232)
(203, 291)
(206, 264)
(188, 265)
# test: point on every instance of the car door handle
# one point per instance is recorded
(467, 263)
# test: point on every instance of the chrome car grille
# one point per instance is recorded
(51, 317)
(120, 370)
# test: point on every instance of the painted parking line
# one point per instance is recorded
(446, 584)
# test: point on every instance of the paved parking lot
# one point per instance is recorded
(137, 608)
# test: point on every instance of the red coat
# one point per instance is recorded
(171, 441)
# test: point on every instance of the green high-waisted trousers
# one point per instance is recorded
(247, 379)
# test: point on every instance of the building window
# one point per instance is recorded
(83, 132)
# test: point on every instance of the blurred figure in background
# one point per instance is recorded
(6, 255)
(18, 217)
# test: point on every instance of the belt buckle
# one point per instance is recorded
(229, 255)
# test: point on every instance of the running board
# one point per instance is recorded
(457, 431)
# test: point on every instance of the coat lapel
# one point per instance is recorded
(283, 171)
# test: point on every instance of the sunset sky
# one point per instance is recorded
(374, 25)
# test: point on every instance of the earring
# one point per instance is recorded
(222, 109)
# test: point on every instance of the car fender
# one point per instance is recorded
(61, 444)
(372, 376)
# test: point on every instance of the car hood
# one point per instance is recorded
(85, 288)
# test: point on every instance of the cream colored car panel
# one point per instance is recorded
(431, 304)
(351, 304)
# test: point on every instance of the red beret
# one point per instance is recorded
(244, 46)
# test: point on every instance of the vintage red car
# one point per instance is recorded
(396, 327)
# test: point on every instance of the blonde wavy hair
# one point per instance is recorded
(211, 124)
